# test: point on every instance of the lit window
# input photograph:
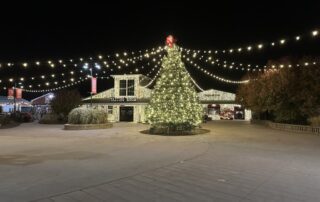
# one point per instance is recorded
(131, 87)
(126, 88)
(123, 87)
(110, 109)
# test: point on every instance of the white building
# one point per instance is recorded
(7, 105)
(129, 97)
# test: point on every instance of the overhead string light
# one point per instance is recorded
(153, 79)
(56, 88)
(195, 65)
(78, 82)
(133, 55)
(38, 85)
(47, 80)
(154, 63)
(222, 65)
(127, 62)
(194, 82)
(242, 66)
(43, 77)
(314, 34)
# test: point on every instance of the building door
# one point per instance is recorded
(239, 113)
(126, 114)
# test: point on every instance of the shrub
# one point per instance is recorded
(51, 118)
(21, 117)
(83, 115)
(4, 120)
(314, 121)
(64, 101)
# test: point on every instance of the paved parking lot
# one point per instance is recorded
(236, 161)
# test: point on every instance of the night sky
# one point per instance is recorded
(41, 31)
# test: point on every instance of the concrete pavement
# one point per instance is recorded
(236, 161)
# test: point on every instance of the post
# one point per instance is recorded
(91, 99)
(91, 87)
(14, 99)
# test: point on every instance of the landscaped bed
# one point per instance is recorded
(196, 131)
(7, 122)
(87, 126)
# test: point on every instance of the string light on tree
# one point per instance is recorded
(174, 102)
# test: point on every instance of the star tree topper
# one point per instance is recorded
(170, 40)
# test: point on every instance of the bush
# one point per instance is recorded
(83, 115)
(22, 117)
(314, 121)
(4, 120)
(51, 118)
(64, 101)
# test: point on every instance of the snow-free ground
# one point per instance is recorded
(236, 161)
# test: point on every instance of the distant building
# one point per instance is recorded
(42, 100)
(42, 103)
(127, 100)
(7, 105)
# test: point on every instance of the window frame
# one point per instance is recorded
(110, 109)
(126, 91)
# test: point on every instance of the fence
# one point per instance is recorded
(290, 127)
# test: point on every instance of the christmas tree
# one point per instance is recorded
(174, 104)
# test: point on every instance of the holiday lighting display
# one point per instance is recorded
(56, 81)
(195, 65)
(174, 104)
(54, 74)
(241, 66)
(259, 46)
(116, 59)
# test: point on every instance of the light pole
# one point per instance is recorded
(88, 66)
(14, 98)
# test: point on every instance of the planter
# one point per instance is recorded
(163, 132)
(87, 126)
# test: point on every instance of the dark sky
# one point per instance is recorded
(32, 31)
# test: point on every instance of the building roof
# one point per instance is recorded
(41, 100)
(121, 75)
(4, 100)
(44, 95)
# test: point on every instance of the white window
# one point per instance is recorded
(126, 88)
(110, 109)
